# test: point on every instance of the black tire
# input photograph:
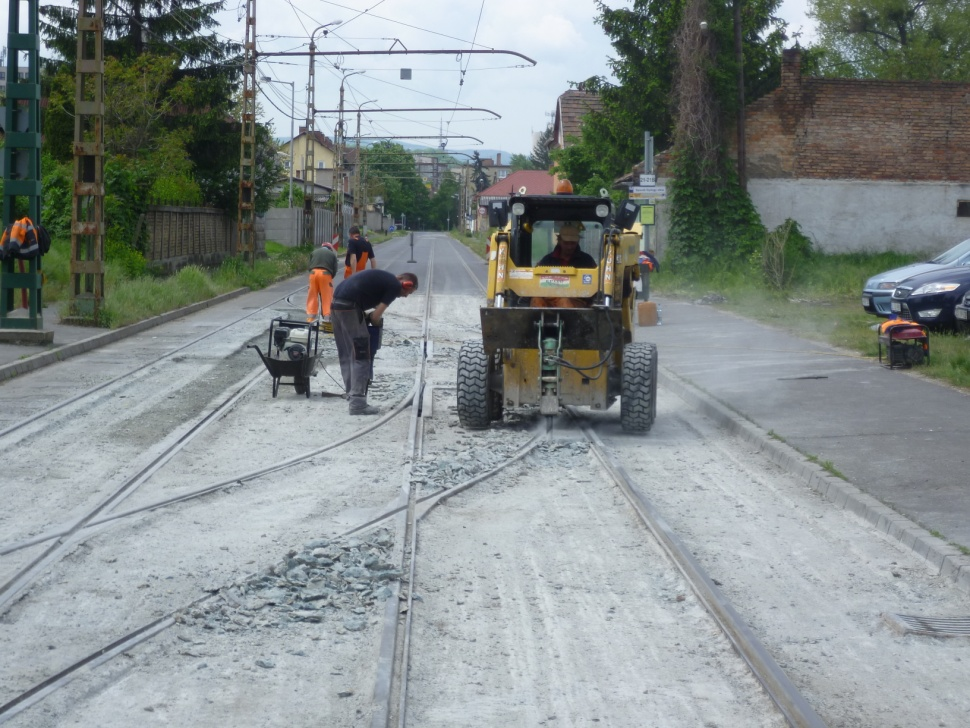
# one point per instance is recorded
(302, 386)
(473, 394)
(638, 397)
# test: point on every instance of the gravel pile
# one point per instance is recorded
(451, 466)
(345, 576)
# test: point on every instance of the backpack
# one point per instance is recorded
(22, 239)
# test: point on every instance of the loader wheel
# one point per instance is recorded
(473, 394)
(638, 396)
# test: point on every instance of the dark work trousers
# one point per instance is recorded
(353, 350)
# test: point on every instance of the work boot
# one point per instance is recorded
(368, 409)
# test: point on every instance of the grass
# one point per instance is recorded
(128, 300)
(823, 305)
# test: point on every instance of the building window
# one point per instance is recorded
(963, 208)
(321, 165)
(503, 173)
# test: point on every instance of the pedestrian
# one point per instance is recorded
(323, 267)
(351, 313)
(359, 252)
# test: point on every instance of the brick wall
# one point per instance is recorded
(816, 128)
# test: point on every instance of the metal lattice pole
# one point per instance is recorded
(21, 155)
(87, 215)
(247, 154)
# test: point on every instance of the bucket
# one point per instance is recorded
(375, 333)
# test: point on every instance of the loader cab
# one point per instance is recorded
(534, 223)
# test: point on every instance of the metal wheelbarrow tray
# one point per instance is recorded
(295, 359)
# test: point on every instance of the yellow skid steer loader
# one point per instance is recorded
(557, 327)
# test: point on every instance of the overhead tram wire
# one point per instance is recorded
(402, 23)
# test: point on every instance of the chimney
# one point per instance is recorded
(791, 68)
(498, 159)
(302, 130)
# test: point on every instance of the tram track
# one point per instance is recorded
(530, 587)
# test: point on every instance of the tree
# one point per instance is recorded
(193, 102)
(712, 217)
(135, 27)
(643, 99)
(479, 178)
(540, 152)
(894, 39)
(520, 161)
(391, 173)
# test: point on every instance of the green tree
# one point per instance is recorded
(135, 27)
(644, 97)
(520, 161)
(894, 39)
(712, 218)
(540, 151)
(479, 178)
(443, 207)
(392, 174)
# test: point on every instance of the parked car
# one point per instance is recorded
(961, 312)
(879, 289)
(930, 298)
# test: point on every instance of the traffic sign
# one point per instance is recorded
(655, 192)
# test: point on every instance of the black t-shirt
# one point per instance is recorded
(357, 247)
(368, 288)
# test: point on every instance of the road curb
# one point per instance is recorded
(950, 562)
(60, 353)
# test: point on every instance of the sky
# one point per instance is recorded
(547, 44)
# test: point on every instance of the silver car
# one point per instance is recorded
(879, 289)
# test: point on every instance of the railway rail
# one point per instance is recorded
(536, 580)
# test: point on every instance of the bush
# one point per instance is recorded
(786, 250)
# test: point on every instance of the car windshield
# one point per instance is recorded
(957, 255)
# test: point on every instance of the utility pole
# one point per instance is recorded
(739, 55)
(247, 154)
(309, 165)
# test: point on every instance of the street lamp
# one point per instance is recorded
(267, 79)
(308, 211)
(360, 211)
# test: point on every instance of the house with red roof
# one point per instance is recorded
(532, 181)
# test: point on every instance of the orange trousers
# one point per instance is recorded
(321, 286)
(361, 265)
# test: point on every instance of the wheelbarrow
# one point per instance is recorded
(292, 354)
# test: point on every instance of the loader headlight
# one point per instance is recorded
(602, 210)
(518, 209)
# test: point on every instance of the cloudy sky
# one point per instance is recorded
(516, 97)
(559, 36)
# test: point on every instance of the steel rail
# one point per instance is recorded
(97, 388)
(392, 665)
(212, 487)
(773, 679)
(26, 575)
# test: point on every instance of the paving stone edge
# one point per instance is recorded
(60, 353)
(949, 561)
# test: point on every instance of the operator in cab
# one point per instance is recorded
(565, 254)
